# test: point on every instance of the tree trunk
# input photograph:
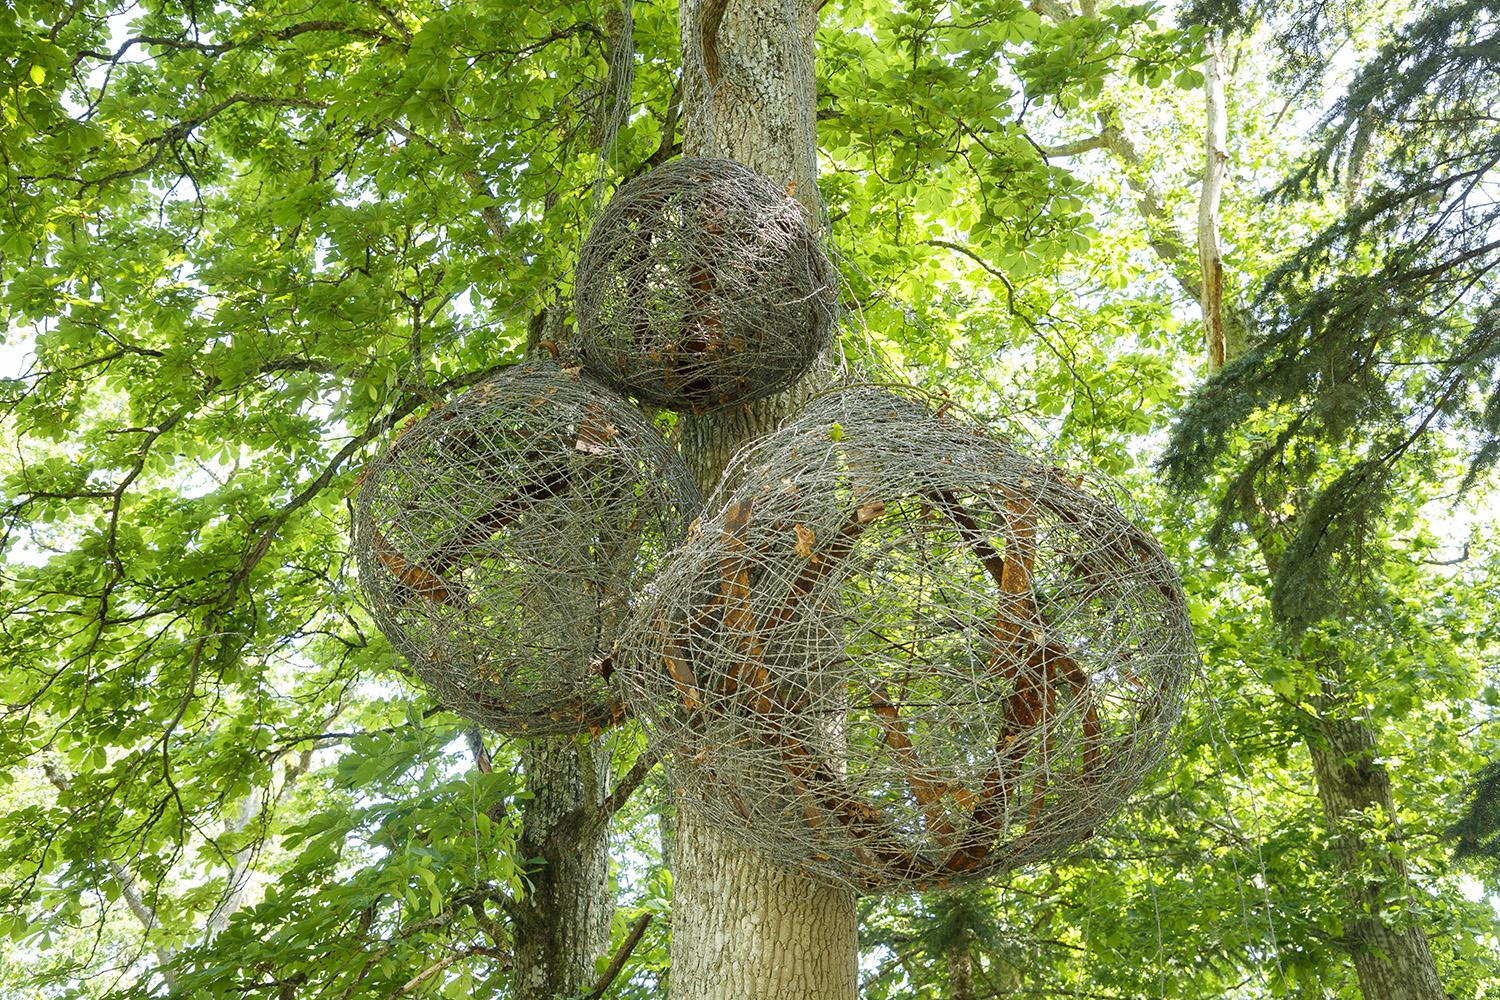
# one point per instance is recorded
(1390, 951)
(743, 928)
(960, 962)
(561, 927)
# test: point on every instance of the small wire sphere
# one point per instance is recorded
(903, 654)
(701, 286)
(501, 539)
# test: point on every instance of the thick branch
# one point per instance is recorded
(643, 766)
(1053, 9)
(1075, 147)
(1162, 232)
(488, 211)
(712, 17)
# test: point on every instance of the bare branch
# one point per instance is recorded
(1075, 147)
(1215, 167)
(643, 766)
(444, 962)
(637, 930)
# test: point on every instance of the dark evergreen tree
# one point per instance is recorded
(1379, 343)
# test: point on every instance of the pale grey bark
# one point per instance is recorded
(1215, 167)
(743, 928)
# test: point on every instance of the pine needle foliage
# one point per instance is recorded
(1304, 35)
(1382, 331)
(1477, 834)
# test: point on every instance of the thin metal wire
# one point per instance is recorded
(902, 654)
(701, 286)
(502, 538)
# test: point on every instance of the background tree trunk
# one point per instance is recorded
(1391, 957)
(1215, 167)
(743, 928)
(561, 927)
(960, 962)
(1392, 962)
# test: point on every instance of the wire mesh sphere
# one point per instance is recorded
(904, 655)
(501, 539)
(702, 286)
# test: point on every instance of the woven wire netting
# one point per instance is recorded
(903, 654)
(501, 539)
(701, 286)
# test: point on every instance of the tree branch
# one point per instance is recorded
(643, 766)
(489, 211)
(1075, 147)
(710, 18)
(447, 960)
(1215, 167)
(633, 938)
(1162, 233)
(1053, 9)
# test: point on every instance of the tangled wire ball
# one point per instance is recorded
(501, 539)
(904, 654)
(702, 286)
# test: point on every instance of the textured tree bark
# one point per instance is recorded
(960, 961)
(1391, 956)
(1390, 953)
(562, 926)
(743, 928)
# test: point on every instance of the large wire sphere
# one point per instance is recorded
(701, 286)
(501, 539)
(904, 654)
